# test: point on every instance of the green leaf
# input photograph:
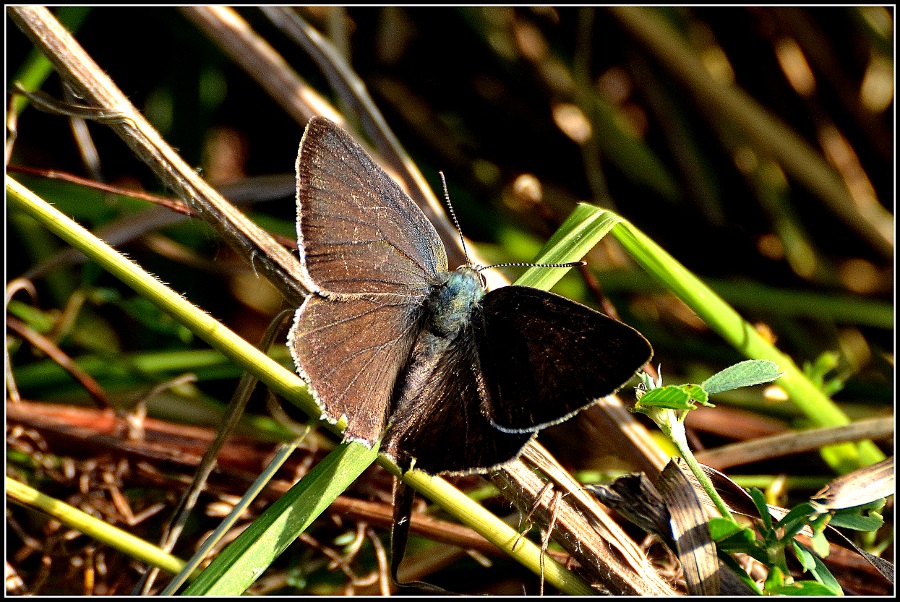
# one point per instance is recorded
(820, 545)
(806, 558)
(824, 578)
(801, 588)
(759, 500)
(775, 579)
(796, 519)
(731, 538)
(853, 518)
(698, 394)
(742, 374)
(721, 528)
(672, 397)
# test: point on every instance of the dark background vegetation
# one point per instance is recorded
(473, 92)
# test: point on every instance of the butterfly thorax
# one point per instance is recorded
(450, 305)
(443, 361)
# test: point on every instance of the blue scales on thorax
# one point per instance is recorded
(450, 307)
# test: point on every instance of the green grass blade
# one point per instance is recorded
(93, 527)
(280, 380)
(719, 316)
(580, 233)
(497, 532)
(244, 560)
(284, 452)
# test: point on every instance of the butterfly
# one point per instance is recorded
(451, 378)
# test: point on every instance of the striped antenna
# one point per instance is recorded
(517, 264)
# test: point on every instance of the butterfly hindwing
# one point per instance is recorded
(439, 419)
(351, 351)
(545, 357)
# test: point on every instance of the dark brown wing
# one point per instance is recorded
(370, 257)
(358, 232)
(545, 357)
(350, 351)
(439, 423)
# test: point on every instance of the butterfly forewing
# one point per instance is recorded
(545, 357)
(358, 232)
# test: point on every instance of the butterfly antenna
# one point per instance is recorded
(520, 264)
(480, 268)
(455, 221)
